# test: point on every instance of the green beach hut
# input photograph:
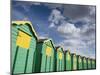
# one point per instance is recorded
(23, 46)
(67, 60)
(79, 62)
(84, 61)
(93, 64)
(74, 61)
(59, 59)
(45, 56)
(89, 63)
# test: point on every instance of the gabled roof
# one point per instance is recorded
(79, 56)
(25, 23)
(42, 40)
(73, 54)
(46, 40)
(58, 48)
(67, 51)
(84, 57)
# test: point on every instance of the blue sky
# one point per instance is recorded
(70, 26)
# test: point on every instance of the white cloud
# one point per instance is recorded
(68, 28)
(77, 46)
(52, 25)
(55, 16)
(78, 40)
(43, 36)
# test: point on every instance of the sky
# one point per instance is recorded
(69, 26)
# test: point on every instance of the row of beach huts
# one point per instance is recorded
(33, 55)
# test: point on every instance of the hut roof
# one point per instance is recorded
(46, 40)
(58, 48)
(73, 54)
(67, 51)
(42, 40)
(25, 23)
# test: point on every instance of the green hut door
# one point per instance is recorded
(59, 61)
(47, 57)
(80, 63)
(89, 63)
(68, 61)
(84, 63)
(21, 54)
(93, 64)
(74, 62)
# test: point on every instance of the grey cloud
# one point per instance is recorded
(74, 11)
(53, 5)
(79, 11)
(79, 40)
(84, 13)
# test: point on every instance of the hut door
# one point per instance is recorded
(60, 61)
(22, 51)
(48, 59)
(74, 63)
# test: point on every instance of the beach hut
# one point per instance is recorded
(84, 61)
(23, 46)
(74, 61)
(93, 64)
(89, 63)
(59, 59)
(45, 56)
(79, 62)
(67, 60)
